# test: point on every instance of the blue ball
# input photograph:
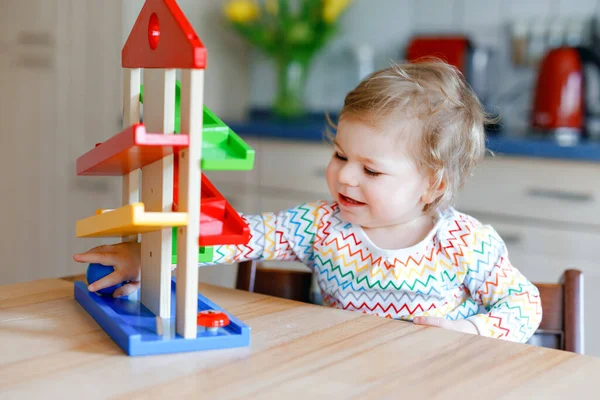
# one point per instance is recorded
(98, 271)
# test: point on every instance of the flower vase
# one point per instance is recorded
(291, 83)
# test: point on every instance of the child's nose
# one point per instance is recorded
(348, 175)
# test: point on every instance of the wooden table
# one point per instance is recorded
(51, 348)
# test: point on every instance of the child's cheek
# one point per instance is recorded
(331, 176)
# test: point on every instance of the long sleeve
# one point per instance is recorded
(512, 302)
(288, 235)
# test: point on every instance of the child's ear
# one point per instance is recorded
(436, 190)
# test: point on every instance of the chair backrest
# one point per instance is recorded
(278, 282)
(562, 303)
(562, 308)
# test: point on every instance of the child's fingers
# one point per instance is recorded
(432, 321)
(126, 289)
(109, 280)
(105, 248)
(460, 325)
(102, 257)
(435, 321)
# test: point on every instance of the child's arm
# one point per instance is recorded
(512, 302)
(285, 236)
(288, 235)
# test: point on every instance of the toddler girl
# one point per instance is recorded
(390, 243)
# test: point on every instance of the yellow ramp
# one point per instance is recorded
(127, 220)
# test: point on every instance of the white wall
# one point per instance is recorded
(59, 95)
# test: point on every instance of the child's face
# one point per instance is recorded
(372, 176)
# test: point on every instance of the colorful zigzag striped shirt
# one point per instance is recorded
(460, 270)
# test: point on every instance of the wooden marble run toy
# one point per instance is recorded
(174, 207)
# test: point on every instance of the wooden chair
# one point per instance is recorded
(562, 303)
(278, 282)
(562, 307)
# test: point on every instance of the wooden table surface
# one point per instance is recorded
(51, 348)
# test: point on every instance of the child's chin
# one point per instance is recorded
(349, 217)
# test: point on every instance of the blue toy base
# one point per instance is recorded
(133, 327)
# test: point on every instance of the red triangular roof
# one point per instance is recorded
(175, 46)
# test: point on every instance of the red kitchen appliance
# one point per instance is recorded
(452, 49)
(458, 50)
(566, 101)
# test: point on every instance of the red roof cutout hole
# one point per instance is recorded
(162, 37)
(153, 31)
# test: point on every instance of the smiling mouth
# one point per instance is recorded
(349, 201)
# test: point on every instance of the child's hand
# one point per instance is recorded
(124, 258)
(461, 325)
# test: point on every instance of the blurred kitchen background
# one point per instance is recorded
(60, 94)
(508, 39)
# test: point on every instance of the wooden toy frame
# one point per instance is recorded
(158, 168)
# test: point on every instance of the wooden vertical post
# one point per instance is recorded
(192, 111)
(157, 193)
(131, 115)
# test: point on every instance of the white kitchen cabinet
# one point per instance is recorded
(60, 93)
(547, 211)
(554, 191)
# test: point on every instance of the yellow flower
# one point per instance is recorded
(333, 8)
(241, 11)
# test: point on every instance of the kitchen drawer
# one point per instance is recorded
(294, 166)
(553, 249)
(541, 189)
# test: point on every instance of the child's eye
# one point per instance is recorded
(340, 157)
(372, 173)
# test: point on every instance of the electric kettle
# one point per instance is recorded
(566, 101)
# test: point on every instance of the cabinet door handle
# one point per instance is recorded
(32, 38)
(560, 195)
(34, 61)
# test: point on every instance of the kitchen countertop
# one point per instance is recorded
(264, 125)
(49, 344)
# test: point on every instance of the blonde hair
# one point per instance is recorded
(451, 118)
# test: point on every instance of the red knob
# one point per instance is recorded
(212, 319)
